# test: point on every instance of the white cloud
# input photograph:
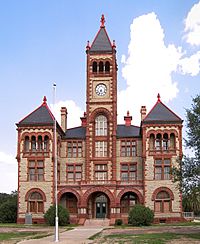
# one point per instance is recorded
(190, 65)
(8, 169)
(192, 25)
(74, 112)
(148, 68)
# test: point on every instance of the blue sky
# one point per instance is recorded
(158, 50)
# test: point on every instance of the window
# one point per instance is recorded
(26, 144)
(33, 143)
(158, 144)
(101, 149)
(39, 147)
(128, 200)
(128, 171)
(35, 203)
(36, 170)
(101, 126)
(162, 202)
(128, 148)
(101, 172)
(74, 149)
(107, 66)
(162, 169)
(101, 66)
(74, 172)
(46, 143)
(94, 67)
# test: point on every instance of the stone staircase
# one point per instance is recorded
(97, 222)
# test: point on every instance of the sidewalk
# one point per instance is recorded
(78, 235)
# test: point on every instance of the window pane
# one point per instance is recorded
(132, 167)
(124, 176)
(158, 173)
(132, 175)
(78, 167)
(78, 176)
(124, 167)
(158, 161)
(167, 173)
(40, 164)
(167, 161)
(70, 167)
(70, 176)
(32, 164)
(40, 207)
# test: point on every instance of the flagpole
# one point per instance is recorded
(56, 237)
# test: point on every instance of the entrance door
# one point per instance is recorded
(100, 210)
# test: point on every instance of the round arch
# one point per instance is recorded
(98, 189)
(69, 191)
(35, 190)
(138, 193)
(100, 111)
(162, 189)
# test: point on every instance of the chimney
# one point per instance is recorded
(143, 112)
(64, 118)
(127, 119)
(84, 120)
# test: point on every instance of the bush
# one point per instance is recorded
(63, 215)
(140, 215)
(118, 222)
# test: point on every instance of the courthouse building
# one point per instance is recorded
(104, 168)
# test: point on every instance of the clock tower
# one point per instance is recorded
(101, 108)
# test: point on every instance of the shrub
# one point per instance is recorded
(63, 215)
(140, 215)
(118, 222)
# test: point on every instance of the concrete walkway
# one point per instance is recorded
(78, 235)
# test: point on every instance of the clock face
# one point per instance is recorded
(101, 89)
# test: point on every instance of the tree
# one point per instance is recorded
(8, 207)
(189, 175)
(63, 215)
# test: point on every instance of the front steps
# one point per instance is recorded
(97, 222)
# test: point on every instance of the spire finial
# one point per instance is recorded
(102, 21)
(44, 100)
(158, 96)
(88, 45)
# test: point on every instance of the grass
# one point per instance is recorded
(19, 235)
(156, 238)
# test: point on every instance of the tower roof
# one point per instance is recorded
(41, 115)
(101, 42)
(160, 113)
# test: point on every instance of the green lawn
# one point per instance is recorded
(21, 235)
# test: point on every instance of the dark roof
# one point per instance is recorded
(75, 133)
(161, 113)
(41, 115)
(128, 131)
(101, 42)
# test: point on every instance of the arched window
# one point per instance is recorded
(100, 66)
(101, 126)
(94, 67)
(162, 202)
(46, 143)
(128, 200)
(158, 142)
(26, 144)
(33, 143)
(172, 141)
(165, 142)
(35, 203)
(151, 142)
(107, 66)
(39, 143)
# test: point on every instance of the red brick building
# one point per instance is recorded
(103, 168)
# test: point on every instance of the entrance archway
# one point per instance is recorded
(69, 200)
(98, 206)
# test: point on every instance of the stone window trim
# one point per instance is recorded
(37, 165)
(37, 204)
(100, 171)
(128, 148)
(74, 149)
(162, 141)
(160, 166)
(74, 172)
(131, 168)
(162, 198)
(36, 144)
